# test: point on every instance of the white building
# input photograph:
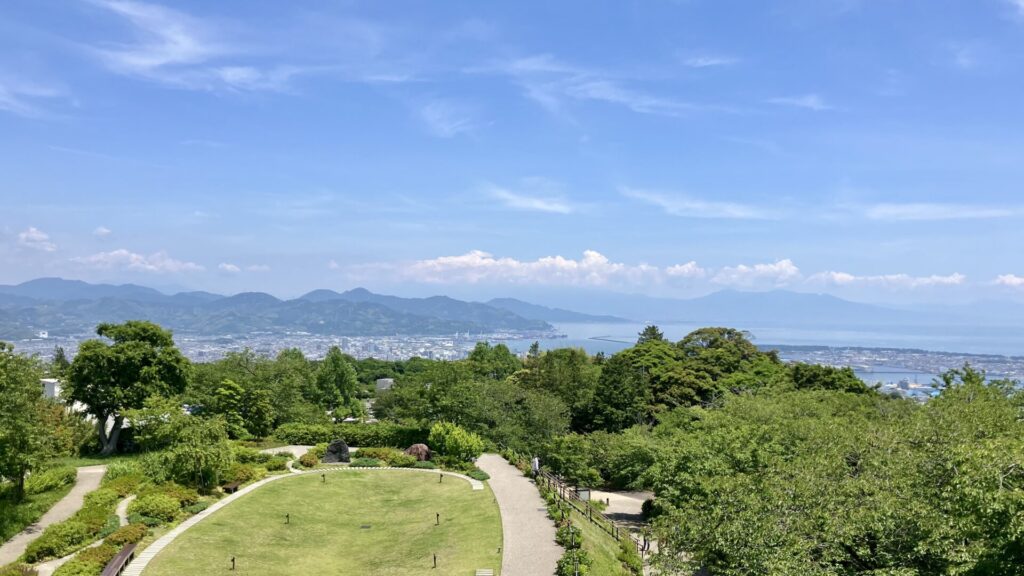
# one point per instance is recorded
(385, 384)
(51, 388)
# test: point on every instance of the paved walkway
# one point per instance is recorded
(529, 535)
(146, 556)
(51, 566)
(88, 479)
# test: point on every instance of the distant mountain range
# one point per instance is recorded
(65, 307)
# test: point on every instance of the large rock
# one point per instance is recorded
(420, 451)
(337, 451)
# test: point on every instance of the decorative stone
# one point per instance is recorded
(420, 451)
(337, 451)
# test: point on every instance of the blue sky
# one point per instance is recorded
(866, 148)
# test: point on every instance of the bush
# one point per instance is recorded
(51, 479)
(366, 463)
(629, 557)
(125, 485)
(320, 450)
(403, 461)
(380, 434)
(304, 434)
(309, 459)
(78, 567)
(569, 537)
(183, 495)
(385, 454)
(154, 467)
(454, 441)
(478, 474)
(111, 526)
(18, 570)
(129, 534)
(136, 518)
(425, 465)
(121, 468)
(250, 456)
(101, 554)
(276, 464)
(96, 511)
(243, 473)
(160, 506)
(568, 562)
(197, 507)
(57, 541)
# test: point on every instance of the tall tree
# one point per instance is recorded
(650, 332)
(139, 360)
(337, 384)
(23, 438)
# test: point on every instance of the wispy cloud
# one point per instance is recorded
(36, 239)
(1010, 280)
(537, 198)
(26, 99)
(1018, 5)
(807, 101)
(124, 259)
(102, 232)
(175, 48)
(550, 82)
(935, 211)
(229, 268)
(887, 280)
(257, 268)
(593, 269)
(689, 207)
(447, 119)
(709, 61)
(778, 273)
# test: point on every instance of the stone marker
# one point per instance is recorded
(337, 451)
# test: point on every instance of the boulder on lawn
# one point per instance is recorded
(420, 451)
(337, 451)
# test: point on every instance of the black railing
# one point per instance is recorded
(568, 495)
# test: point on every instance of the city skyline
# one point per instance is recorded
(857, 148)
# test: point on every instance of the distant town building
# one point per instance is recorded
(43, 334)
(51, 388)
(385, 384)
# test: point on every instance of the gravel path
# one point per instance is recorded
(529, 535)
(88, 479)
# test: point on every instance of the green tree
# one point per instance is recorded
(108, 378)
(337, 385)
(23, 438)
(199, 453)
(229, 402)
(60, 364)
(258, 413)
(452, 440)
(495, 362)
(650, 332)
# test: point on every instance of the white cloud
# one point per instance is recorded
(777, 273)
(333, 265)
(687, 207)
(931, 211)
(36, 239)
(688, 270)
(102, 232)
(23, 98)
(159, 262)
(892, 281)
(593, 269)
(229, 268)
(175, 48)
(1011, 280)
(446, 119)
(806, 101)
(707, 61)
(530, 201)
(258, 268)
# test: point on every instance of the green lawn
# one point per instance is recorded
(358, 523)
(602, 548)
(15, 517)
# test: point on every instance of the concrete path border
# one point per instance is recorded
(143, 559)
(87, 479)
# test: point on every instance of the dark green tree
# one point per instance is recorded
(650, 332)
(139, 360)
(23, 438)
(337, 384)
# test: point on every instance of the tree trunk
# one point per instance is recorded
(19, 490)
(109, 441)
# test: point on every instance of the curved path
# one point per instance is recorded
(530, 548)
(87, 480)
(51, 566)
(146, 556)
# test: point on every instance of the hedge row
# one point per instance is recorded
(380, 434)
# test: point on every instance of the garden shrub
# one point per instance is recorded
(309, 459)
(250, 456)
(320, 450)
(184, 495)
(101, 554)
(51, 479)
(454, 441)
(125, 485)
(629, 557)
(197, 507)
(304, 434)
(110, 526)
(57, 541)
(478, 474)
(384, 454)
(136, 518)
(121, 468)
(78, 567)
(380, 434)
(160, 506)
(567, 564)
(403, 461)
(569, 537)
(425, 465)
(242, 473)
(154, 467)
(366, 463)
(128, 534)
(18, 570)
(276, 464)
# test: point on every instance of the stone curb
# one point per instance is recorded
(143, 559)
